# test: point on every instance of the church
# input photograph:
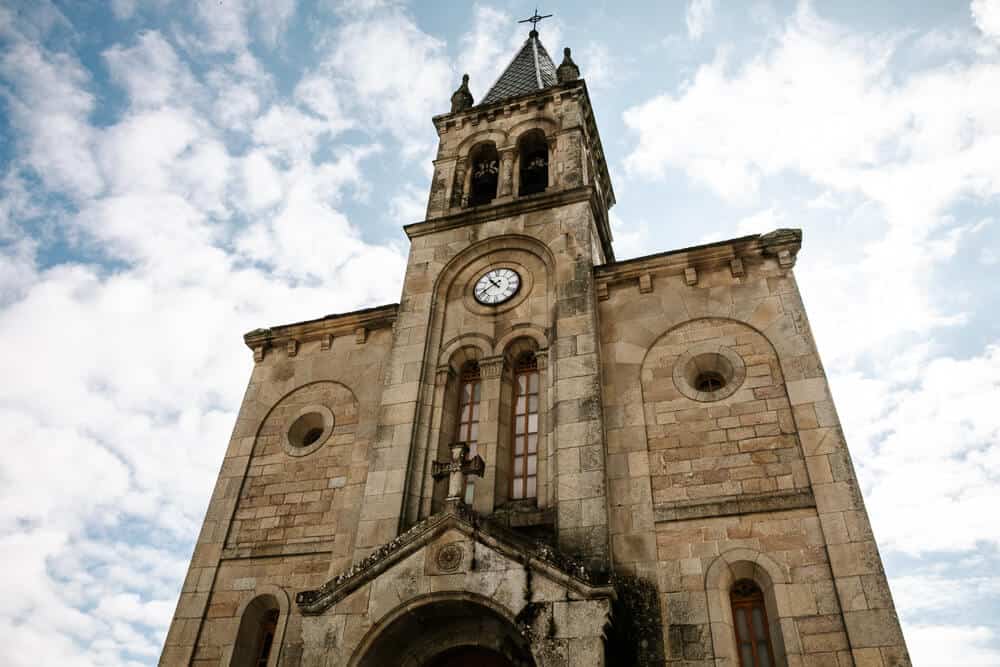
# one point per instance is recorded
(541, 456)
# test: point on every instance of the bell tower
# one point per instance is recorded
(496, 341)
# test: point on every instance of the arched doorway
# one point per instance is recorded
(445, 630)
(470, 656)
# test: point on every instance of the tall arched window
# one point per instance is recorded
(255, 640)
(533, 158)
(485, 174)
(469, 397)
(753, 638)
(524, 471)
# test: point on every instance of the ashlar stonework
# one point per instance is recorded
(612, 463)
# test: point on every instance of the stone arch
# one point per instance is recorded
(418, 631)
(251, 613)
(494, 135)
(458, 350)
(745, 563)
(293, 390)
(767, 440)
(457, 264)
(519, 334)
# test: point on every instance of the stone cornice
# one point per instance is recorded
(784, 244)
(517, 206)
(780, 501)
(541, 558)
(339, 324)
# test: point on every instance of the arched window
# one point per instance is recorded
(753, 638)
(533, 158)
(485, 173)
(524, 471)
(469, 397)
(255, 643)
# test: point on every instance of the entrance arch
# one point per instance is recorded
(445, 630)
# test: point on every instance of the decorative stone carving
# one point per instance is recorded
(461, 99)
(449, 557)
(645, 283)
(691, 275)
(736, 266)
(326, 342)
(458, 468)
(292, 347)
(567, 71)
(491, 367)
(360, 335)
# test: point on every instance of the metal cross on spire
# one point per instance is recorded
(533, 20)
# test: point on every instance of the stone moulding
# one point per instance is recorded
(748, 504)
(541, 558)
(323, 329)
(783, 244)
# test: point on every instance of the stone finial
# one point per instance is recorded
(567, 71)
(461, 99)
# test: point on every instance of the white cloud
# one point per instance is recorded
(698, 17)
(125, 407)
(986, 14)
(939, 645)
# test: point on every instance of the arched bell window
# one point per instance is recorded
(469, 397)
(485, 174)
(524, 469)
(533, 158)
(753, 637)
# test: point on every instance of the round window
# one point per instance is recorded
(308, 430)
(709, 373)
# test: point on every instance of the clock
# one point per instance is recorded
(496, 286)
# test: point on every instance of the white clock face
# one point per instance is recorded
(497, 286)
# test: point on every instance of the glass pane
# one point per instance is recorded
(763, 655)
(531, 487)
(532, 464)
(470, 492)
(758, 623)
(473, 432)
(533, 383)
(466, 392)
(533, 423)
(475, 412)
(532, 443)
(519, 426)
(516, 492)
(519, 408)
(746, 654)
(532, 404)
(519, 444)
(477, 390)
(522, 384)
(741, 625)
(518, 466)
(473, 449)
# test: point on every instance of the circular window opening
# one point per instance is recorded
(709, 381)
(311, 436)
(306, 430)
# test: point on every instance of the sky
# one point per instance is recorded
(175, 173)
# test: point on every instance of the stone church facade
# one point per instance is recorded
(541, 456)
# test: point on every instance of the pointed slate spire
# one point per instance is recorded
(531, 70)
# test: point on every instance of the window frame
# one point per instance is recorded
(526, 366)
(746, 604)
(469, 377)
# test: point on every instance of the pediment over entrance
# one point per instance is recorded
(457, 585)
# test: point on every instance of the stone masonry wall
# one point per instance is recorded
(297, 515)
(758, 483)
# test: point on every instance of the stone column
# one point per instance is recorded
(458, 186)
(506, 172)
(490, 371)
